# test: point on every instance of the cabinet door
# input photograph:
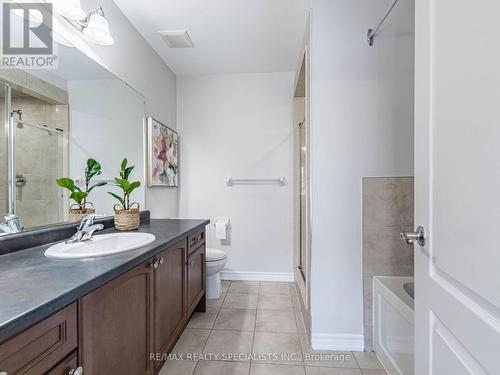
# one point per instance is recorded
(170, 296)
(196, 278)
(116, 325)
(41, 347)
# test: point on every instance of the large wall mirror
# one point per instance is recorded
(52, 122)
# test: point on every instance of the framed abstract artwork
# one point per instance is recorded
(163, 155)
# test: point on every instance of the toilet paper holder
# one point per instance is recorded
(223, 220)
(221, 225)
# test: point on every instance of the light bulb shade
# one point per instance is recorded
(71, 9)
(97, 30)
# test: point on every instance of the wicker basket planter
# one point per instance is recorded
(76, 214)
(127, 219)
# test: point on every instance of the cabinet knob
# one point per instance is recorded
(155, 265)
(161, 260)
(76, 371)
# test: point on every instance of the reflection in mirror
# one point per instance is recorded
(55, 120)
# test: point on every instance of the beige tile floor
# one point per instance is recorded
(256, 328)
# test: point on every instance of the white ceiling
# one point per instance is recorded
(230, 36)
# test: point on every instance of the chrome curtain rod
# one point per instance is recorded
(372, 33)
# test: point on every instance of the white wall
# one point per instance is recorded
(106, 118)
(134, 61)
(361, 125)
(239, 125)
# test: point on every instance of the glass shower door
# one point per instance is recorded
(303, 200)
(39, 162)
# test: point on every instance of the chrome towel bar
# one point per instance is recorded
(230, 181)
(81, 182)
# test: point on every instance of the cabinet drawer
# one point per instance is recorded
(196, 240)
(41, 347)
(196, 278)
(69, 363)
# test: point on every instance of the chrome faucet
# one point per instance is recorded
(86, 229)
(12, 224)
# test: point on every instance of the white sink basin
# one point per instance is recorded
(100, 245)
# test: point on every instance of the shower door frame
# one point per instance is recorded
(10, 143)
(302, 191)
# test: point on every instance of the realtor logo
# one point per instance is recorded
(26, 36)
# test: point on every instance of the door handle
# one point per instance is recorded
(414, 238)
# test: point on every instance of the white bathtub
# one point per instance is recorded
(393, 324)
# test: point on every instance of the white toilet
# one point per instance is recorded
(215, 260)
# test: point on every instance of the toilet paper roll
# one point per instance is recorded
(220, 230)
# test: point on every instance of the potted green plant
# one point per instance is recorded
(82, 207)
(127, 215)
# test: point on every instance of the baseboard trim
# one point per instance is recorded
(338, 342)
(257, 276)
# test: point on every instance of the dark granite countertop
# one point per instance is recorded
(32, 286)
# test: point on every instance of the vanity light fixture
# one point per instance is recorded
(95, 27)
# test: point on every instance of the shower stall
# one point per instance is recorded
(32, 157)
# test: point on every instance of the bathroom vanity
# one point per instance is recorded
(106, 315)
(109, 315)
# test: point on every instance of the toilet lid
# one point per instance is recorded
(214, 255)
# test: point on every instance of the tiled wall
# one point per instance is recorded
(387, 210)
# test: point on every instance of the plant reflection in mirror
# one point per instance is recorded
(79, 195)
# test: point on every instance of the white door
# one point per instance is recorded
(457, 187)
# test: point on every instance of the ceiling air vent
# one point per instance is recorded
(177, 38)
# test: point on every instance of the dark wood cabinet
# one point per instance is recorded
(116, 325)
(196, 279)
(170, 310)
(68, 364)
(41, 347)
(196, 240)
(120, 327)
